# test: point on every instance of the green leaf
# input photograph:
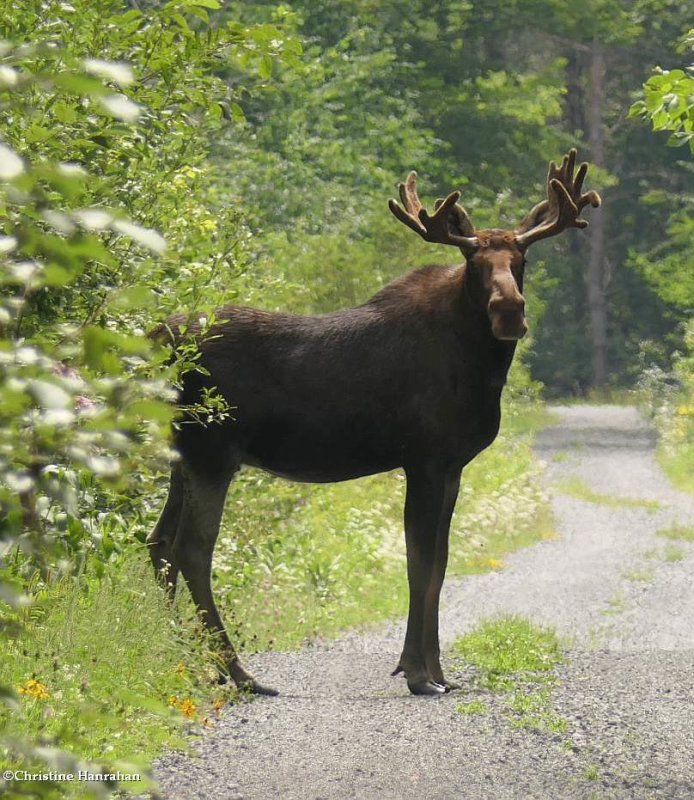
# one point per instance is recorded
(55, 275)
(80, 84)
(152, 409)
(265, 67)
(65, 113)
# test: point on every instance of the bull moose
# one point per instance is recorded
(411, 379)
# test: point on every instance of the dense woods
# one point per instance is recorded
(164, 157)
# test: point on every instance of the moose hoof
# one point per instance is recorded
(450, 686)
(254, 687)
(246, 682)
(426, 688)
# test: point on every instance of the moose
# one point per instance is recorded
(411, 379)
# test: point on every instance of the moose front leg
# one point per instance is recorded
(424, 507)
(432, 654)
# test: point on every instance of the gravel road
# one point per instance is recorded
(609, 585)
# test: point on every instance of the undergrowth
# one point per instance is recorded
(104, 665)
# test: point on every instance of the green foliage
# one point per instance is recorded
(669, 101)
(159, 157)
(669, 105)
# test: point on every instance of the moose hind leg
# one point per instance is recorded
(201, 515)
(160, 540)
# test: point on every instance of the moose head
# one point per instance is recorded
(495, 257)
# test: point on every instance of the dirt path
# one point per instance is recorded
(626, 688)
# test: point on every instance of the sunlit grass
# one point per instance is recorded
(673, 554)
(676, 460)
(639, 575)
(678, 532)
(513, 656)
(473, 707)
(575, 487)
(506, 647)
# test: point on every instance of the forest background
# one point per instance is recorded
(158, 157)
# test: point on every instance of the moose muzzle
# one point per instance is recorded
(507, 315)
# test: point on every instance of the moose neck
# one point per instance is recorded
(493, 355)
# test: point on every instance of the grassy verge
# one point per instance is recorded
(104, 667)
(668, 398)
(677, 464)
(514, 658)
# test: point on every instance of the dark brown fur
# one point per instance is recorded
(411, 379)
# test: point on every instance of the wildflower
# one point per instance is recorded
(184, 175)
(180, 669)
(187, 707)
(494, 563)
(33, 688)
(208, 225)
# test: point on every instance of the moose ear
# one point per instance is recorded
(458, 222)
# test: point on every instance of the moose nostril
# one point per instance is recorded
(507, 304)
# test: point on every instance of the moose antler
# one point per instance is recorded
(439, 227)
(563, 205)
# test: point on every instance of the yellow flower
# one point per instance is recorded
(33, 688)
(186, 707)
(685, 411)
(208, 225)
(181, 669)
(494, 563)
(184, 175)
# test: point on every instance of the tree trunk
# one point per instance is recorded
(597, 288)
